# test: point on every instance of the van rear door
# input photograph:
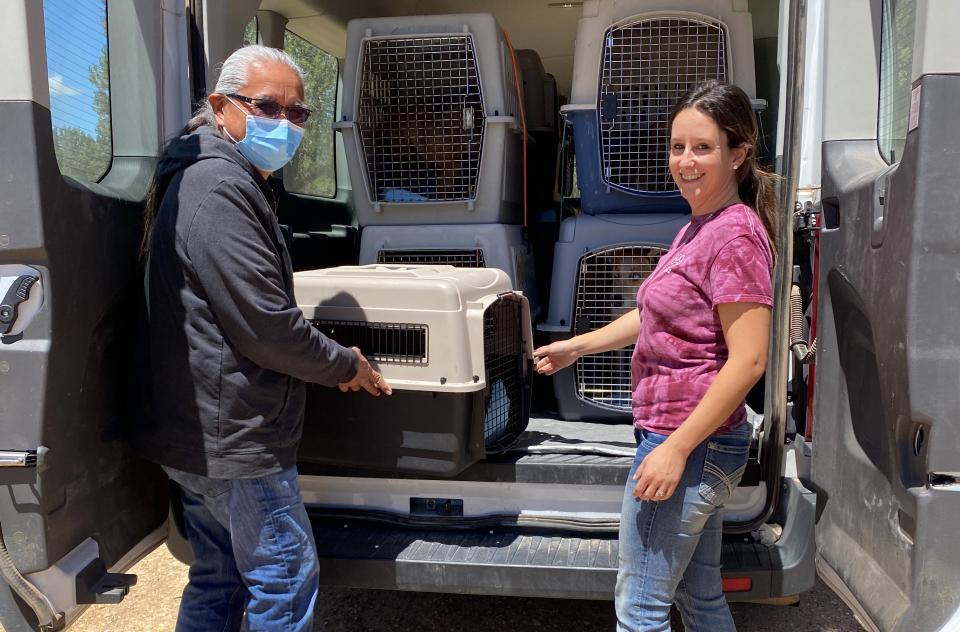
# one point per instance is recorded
(79, 131)
(886, 429)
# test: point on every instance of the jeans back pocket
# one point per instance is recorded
(723, 466)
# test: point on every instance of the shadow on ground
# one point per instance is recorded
(343, 610)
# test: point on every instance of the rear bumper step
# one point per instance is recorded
(494, 561)
(509, 561)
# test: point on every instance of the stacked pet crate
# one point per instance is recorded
(541, 104)
(455, 345)
(632, 62)
(432, 131)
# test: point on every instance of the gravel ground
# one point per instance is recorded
(152, 607)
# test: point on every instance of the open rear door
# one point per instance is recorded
(79, 132)
(887, 429)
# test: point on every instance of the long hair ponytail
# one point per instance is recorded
(730, 108)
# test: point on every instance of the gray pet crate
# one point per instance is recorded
(500, 246)
(632, 62)
(430, 123)
(455, 345)
(599, 263)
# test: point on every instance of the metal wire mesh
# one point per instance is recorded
(421, 118)
(647, 66)
(607, 283)
(505, 416)
(387, 343)
(459, 258)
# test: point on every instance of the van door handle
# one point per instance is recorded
(17, 293)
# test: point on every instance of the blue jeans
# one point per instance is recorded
(253, 550)
(670, 550)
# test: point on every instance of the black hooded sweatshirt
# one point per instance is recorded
(228, 348)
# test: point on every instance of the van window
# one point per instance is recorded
(896, 65)
(312, 172)
(78, 71)
(250, 32)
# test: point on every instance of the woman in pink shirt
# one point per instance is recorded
(701, 330)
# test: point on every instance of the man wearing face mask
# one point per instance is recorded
(227, 352)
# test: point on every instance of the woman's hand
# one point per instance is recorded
(659, 473)
(558, 355)
(555, 356)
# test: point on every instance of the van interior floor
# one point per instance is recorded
(554, 450)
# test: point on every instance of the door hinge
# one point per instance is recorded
(16, 458)
(806, 218)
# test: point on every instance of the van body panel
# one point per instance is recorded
(887, 369)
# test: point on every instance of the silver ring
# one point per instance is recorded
(376, 382)
(660, 493)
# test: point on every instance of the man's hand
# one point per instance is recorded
(366, 378)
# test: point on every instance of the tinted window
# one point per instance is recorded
(250, 32)
(312, 170)
(896, 66)
(79, 75)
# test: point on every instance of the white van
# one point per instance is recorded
(855, 471)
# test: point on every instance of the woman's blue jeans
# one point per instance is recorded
(253, 551)
(670, 550)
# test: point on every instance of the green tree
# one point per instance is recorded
(79, 154)
(250, 32)
(312, 169)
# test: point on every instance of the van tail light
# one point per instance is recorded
(737, 584)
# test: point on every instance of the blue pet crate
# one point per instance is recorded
(632, 63)
(599, 263)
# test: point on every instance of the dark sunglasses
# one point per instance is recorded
(296, 114)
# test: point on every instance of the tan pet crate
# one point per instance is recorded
(454, 343)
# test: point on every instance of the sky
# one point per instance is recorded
(75, 37)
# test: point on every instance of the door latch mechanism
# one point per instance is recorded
(22, 296)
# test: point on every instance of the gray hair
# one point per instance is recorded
(234, 75)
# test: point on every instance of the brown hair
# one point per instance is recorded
(730, 108)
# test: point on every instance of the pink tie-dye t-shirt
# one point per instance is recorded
(723, 257)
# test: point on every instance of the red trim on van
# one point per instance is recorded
(737, 584)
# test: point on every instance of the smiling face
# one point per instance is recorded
(702, 163)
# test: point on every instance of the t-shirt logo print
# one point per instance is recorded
(674, 263)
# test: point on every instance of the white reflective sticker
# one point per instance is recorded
(914, 109)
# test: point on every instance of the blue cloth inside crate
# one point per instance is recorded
(403, 195)
(498, 412)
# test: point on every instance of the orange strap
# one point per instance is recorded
(523, 119)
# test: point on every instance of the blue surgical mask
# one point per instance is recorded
(269, 144)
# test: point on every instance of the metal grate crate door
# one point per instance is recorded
(457, 258)
(421, 118)
(387, 343)
(607, 283)
(647, 65)
(506, 406)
